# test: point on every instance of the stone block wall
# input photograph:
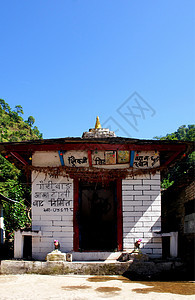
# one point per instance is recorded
(141, 202)
(52, 214)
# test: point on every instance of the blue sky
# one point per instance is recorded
(132, 63)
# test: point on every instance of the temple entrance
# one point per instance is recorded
(97, 217)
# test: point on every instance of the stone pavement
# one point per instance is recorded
(85, 287)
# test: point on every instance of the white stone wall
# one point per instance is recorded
(141, 201)
(52, 210)
(52, 214)
(1, 225)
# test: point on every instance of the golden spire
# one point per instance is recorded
(97, 124)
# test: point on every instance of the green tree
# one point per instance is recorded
(13, 183)
(2, 103)
(16, 213)
(19, 109)
(37, 132)
(5, 106)
(8, 171)
(166, 182)
(12, 126)
(31, 121)
(183, 133)
(15, 116)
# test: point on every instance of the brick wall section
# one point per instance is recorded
(59, 228)
(53, 224)
(141, 201)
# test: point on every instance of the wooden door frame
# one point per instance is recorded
(76, 214)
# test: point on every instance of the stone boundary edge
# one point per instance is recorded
(8, 267)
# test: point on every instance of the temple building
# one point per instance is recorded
(97, 195)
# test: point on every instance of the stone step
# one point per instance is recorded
(140, 268)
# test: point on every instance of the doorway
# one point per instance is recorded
(97, 217)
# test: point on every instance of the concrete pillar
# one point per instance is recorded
(1, 225)
(18, 244)
(174, 244)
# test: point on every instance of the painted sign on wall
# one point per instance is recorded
(53, 195)
(146, 159)
(99, 159)
(76, 159)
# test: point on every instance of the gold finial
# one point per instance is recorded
(97, 124)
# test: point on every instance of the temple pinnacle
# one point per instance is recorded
(97, 124)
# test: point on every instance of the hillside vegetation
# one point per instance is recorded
(12, 126)
(13, 183)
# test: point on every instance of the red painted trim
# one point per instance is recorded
(89, 158)
(19, 158)
(75, 216)
(95, 146)
(119, 216)
(171, 158)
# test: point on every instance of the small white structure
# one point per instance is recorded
(1, 224)
(97, 195)
(19, 241)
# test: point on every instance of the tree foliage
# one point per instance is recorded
(16, 214)
(183, 133)
(12, 126)
(19, 109)
(186, 166)
(31, 121)
(13, 183)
